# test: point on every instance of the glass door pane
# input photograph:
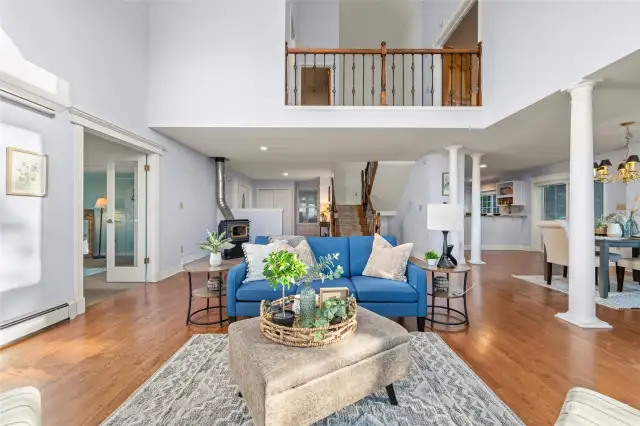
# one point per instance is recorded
(126, 219)
(554, 200)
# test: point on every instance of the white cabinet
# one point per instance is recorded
(511, 193)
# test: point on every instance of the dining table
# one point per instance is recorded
(605, 243)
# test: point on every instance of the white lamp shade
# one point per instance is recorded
(445, 217)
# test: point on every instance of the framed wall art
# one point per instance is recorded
(445, 183)
(26, 173)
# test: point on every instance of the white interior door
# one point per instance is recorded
(282, 200)
(265, 198)
(126, 219)
(244, 197)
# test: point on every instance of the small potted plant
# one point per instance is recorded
(333, 311)
(283, 268)
(215, 244)
(601, 226)
(323, 269)
(431, 257)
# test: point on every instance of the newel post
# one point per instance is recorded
(383, 83)
(286, 72)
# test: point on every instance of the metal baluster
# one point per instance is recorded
(432, 70)
(403, 79)
(333, 87)
(373, 79)
(393, 77)
(363, 79)
(353, 79)
(413, 83)
(422, 79)
(286, 73)
(470, 79)
(295, 78)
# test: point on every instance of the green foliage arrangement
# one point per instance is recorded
(331, 309)
(324, 269)
(216, 243)
(431, 254)
(283, 268)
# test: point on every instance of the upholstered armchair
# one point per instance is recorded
(555, 236)
(20, 407)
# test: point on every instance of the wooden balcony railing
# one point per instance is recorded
(368, 176)
(369, 77)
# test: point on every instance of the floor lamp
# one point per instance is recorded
(445, 218)
(101, 203)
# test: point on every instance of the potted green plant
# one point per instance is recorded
(431, 257)
(215, 244)
(283, 268)
(324, 269)
(333, 311)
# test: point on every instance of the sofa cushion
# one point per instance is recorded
(370, 289)
(256, 291)
(360, 250)
(323, 246)
(340, 282)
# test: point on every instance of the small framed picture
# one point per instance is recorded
(445, 183)
(337, 292)
(26, 173)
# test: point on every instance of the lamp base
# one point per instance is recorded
(445, 259)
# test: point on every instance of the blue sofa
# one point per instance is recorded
(385, 297)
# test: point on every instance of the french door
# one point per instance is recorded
(127, 219)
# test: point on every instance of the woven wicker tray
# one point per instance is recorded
(305, 337)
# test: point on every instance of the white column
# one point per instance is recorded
(461, 176)
(454, 195)
(582, 296)
(476, 230)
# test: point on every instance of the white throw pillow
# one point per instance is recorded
(254, 255)
(387, 261)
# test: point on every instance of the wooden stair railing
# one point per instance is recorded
(368, 176)
(333, 209)
(409, 73)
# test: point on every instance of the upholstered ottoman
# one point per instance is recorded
(584, 407)
(284, 386)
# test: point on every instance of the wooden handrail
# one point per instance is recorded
(328, 51)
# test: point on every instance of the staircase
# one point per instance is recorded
(350, 220)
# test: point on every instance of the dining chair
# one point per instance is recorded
(555, 237)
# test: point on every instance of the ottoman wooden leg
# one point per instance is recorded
(392, 395)
(240, 394)
(421, 321)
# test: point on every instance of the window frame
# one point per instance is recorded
(493, 207)
(298, 205)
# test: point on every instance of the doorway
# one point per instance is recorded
(114, 226)
(315, 86)
(244, 197)
(278, 199)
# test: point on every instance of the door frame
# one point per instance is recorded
(249, 201)
(293, 206)
(536, 204)
(83, 121)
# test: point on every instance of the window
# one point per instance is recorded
(554, 198)
(308, 206)
(598, 200)
(488, 203)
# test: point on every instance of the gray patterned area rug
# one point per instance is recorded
(194, 388)
(629, 298)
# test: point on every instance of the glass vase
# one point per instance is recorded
(631, 228)
(307, 304)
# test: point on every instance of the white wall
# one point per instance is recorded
(101, 49)
(36, 234)
(391, 178)
(436, 15)
(278, 184)
(317, 23)
(262, 221)
(532, 48)
(233, 181)
(424, 186)
(348, 182)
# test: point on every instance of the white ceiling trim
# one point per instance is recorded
(114, 133)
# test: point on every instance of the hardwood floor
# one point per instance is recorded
(87, 367)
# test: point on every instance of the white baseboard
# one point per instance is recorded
(501, 247)
(35, 323)
(166, 273)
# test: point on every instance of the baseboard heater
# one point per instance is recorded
(24, 326)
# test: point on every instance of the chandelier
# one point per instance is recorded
(626, 170)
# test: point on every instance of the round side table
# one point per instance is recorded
(202, 266)
(460, 269)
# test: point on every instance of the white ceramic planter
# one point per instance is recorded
(215, 259)
(432, 262)
(614, 230)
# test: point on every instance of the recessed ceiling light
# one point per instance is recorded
(263, 148)
(285, 174)
(482, 166)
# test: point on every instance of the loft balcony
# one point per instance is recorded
(383, 77)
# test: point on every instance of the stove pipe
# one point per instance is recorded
(220, 185)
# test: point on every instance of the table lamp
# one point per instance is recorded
(445, 218)
(101, 203)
